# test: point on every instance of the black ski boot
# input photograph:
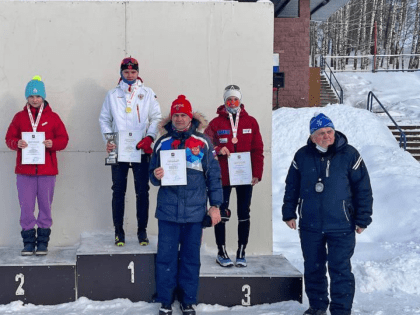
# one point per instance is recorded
(142, 236)
(29, 241)
(119, 236)
(165, 310)
(42, 241)
(187, 309)
(311, 311)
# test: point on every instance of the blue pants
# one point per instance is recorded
(336, 248)
(178, 262)
(141, 185)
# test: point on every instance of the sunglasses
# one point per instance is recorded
(129, 61)
(232, 87)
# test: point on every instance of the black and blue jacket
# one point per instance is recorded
(346, 200)
(187, 204)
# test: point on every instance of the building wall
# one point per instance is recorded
(291, 42)
(190, 48)
(314, 86)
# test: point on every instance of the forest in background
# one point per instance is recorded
(352, 31)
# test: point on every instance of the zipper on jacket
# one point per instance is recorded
(344, 209)
(327, 171)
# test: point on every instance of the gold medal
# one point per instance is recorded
(128, 109)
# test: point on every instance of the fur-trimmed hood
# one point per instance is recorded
(198, 120)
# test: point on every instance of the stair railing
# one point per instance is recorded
(403, 139)
(330, 78)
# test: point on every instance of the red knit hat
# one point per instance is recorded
(181, 105)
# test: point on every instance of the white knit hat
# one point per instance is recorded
(232, 90)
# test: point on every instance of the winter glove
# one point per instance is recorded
(145, 144)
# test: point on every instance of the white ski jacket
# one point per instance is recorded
(145, 113)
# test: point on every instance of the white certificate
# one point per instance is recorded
(34, 153)
(240, 171)
(127, 141)
(174, 163)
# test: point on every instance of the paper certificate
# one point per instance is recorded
(174, 163)
(240, 172)
(127, 141)
(34, 153)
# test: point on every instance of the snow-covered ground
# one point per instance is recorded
(387, 257)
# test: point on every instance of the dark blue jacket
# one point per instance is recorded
(346, 200)
(188, 203)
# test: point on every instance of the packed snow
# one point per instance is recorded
(387, 256)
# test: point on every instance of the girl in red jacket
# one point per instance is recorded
(235, 131)
(36, 181)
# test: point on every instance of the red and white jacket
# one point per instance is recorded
(249, 140)
(54, 129)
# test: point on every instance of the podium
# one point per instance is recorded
(46, 280)
(107, 272)
(100, 271)
(267, 279)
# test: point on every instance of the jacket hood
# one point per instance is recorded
(221, 111)
(340, 142)
(198, 123)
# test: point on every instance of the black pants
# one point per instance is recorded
(243, 196)
(336, 249)
(141, 185)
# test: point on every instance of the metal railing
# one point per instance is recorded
(375, 63)
(330, 78)
(403, 139)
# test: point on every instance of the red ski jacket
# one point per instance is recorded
(54, 129)
(249, 140)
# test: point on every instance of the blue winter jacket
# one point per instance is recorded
(188, 203)
(346, 200)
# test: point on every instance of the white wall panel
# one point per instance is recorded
(191, 48)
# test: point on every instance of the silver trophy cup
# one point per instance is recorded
(112, 157)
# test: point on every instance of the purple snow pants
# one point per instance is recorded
(31, 188)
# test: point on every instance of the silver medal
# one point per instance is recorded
(319, 187)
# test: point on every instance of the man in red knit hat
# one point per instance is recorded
(181, 208)
(235, 131)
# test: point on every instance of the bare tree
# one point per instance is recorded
(370, 33)
(350, 31)
(399, 43)
(379, 25)
(414, 61)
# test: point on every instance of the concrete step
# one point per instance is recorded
(413, 144)
(408, 132)
(404, 127)
(414, 150)
(412, 135)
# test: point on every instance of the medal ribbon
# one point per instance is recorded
(38, 118)
(236, 124)
(131, 97)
